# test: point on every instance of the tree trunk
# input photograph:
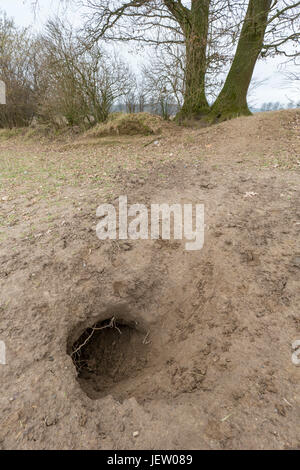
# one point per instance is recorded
(232, 100)
(196, 33)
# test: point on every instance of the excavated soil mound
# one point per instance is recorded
(128, 124)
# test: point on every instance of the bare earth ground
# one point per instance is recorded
(203, 360)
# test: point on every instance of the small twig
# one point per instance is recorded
(226, 417)
(288, 402)
(145, 340)
(152, 141)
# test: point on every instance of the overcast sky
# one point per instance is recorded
(275, 89)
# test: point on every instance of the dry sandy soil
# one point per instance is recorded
(192, 349)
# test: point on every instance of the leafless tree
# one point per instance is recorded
(206, 29)
(16, 70)
(83, 83)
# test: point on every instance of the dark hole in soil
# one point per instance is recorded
(107, 355)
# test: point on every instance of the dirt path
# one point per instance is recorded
(204, 358)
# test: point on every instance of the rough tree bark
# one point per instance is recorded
(232, 100)
(196, 35)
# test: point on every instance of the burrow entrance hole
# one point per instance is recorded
(107, 356)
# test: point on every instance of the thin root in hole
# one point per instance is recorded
(112, 324)
(108, 356)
